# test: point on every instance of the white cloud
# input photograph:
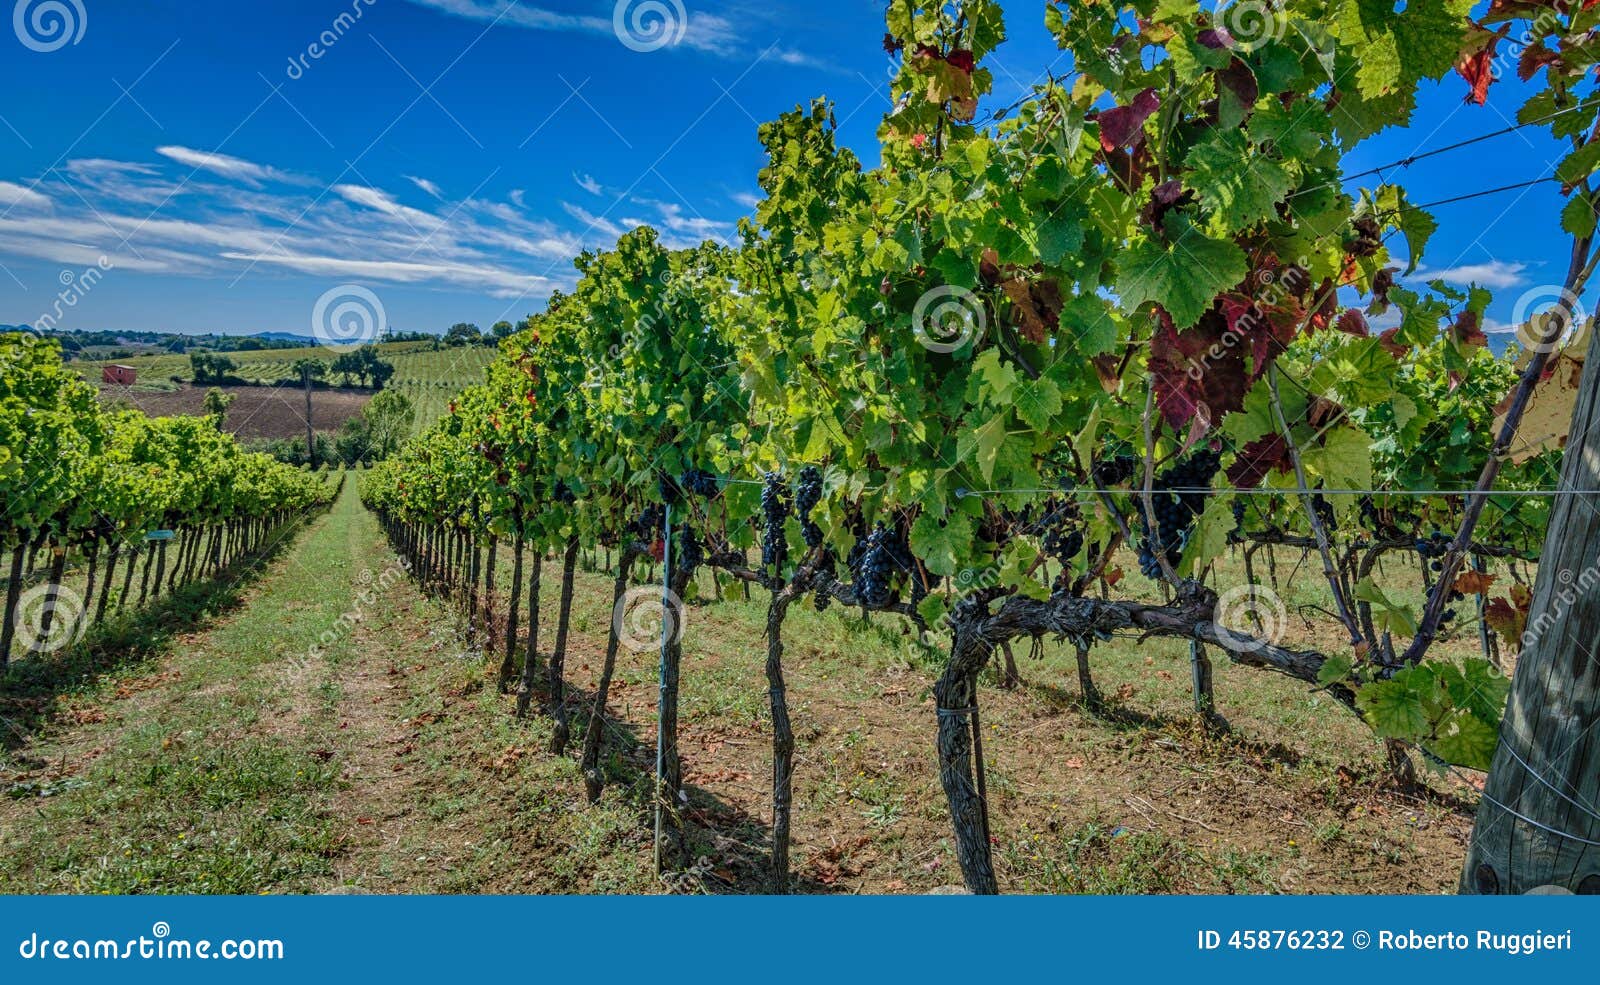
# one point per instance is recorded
(427, 186)
(597, 223)
(132, 213)
(121, 181)
(1494, 274)
(498, 281)
(705, 32)
(698, 228)
(517, 195)
(225, 165)
(587, 183)
(746, 199)
(17, 197)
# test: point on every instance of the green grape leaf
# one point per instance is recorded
(1184, 279)
(1238, 186)
(941, 546)
(1037, 402)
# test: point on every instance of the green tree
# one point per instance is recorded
(389, 417)
(217, 404)
(463, 333)
(503, 329)
(208, 367)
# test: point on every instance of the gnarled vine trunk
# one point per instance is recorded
(561, 731)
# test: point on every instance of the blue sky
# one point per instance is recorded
(453, 155)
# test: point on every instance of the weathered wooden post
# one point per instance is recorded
(1537, 824)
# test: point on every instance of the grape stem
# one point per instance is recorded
(1158, 546)
(1317, 529)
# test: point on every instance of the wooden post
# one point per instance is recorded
(1536, 823)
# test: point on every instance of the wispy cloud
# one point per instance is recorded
(702, 30)
(427, 186)
(146, 219)
(587, 183)
(1496, 274)
(225, 165)
(17, 197)
(746, 199)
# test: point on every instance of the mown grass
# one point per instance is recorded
(230, 762)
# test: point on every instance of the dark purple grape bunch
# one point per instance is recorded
(1178, 496)
(808, 493)
(688, 551)
(774, 511)
(873, 568)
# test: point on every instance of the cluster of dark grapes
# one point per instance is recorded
(1369, 514)
(774, 510)
(1113, 471)
(1324, 511)
(563, 493)
(1175, 511)
(648, 523)
(1433, 547)
(690, 554)
(699, 482)
(1059, 530)
(806, 497)
(872, 567)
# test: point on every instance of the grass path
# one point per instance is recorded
(331, 734)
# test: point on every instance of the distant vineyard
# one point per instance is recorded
(426, 375)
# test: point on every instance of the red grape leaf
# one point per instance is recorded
(1477, 65)
(1120, 125)
(1258, 458)
(1199, 371)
